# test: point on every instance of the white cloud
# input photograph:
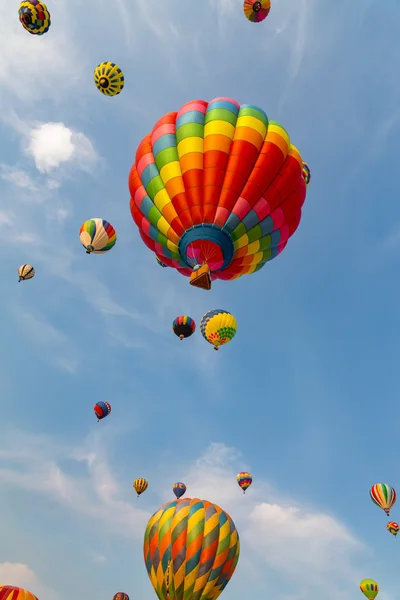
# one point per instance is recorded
(52, 144)
(18, 177)
(20, 575)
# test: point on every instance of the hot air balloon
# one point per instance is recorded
(25, 272)
(369, 588)
(9, 592)
(121, 596)
(216, 190)
(160, 262)
(97, 236)
(306, 172)
(244, 480)
(102, 410)
(109, 79)
(140, 485)
(179, 489)
(256, 11)
(34, 17)
(191, 549)
(183, 326)
(383, 496)
(218, 327)
(393, 527)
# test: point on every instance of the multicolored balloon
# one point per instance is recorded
(369, 588)
(140, 485)
(97, 236)
(34, 17)
(393, 527)
(218, 327)
(25, 272)
(306, 172)
(179, 489)
(256, 11)
(102, 410)
(9, 592)
(183, 326)
(121, 596)
(160, 262)
(383, 496)
(244, 480)
(216, 190)
(109, 79)
(191, 549)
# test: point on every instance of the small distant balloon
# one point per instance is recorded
(9, 592)
(393, 527)
(140, 485)
(218, 327)
(34, 17)
(97, 236)
(109, 79)
(306, 172)
(244, 480)
(25, 272)
(369, 588)
(383, 495)
(179, 489)
(102, 410)
(183, 326)
(121, 596)
(256, 11)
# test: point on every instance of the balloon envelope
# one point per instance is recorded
(369, 588)
(191, 549)
(140, 485)
(9, 592)
(34, 17)
(218, 327)
(244, 480)
(109, 79)
(179, 489)
(183, 326)
(217, 186)
(393, 527)
(121, 596)
(256, 10)
(97, 236)
(383, 495)
(102, 409)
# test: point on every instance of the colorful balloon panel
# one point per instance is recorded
(9, 592)
(369, 588)
(217, 184)
(256, 10)
(393, 527)
(218, 327)
(244, 480)
(140, 485)
(183, 326)
(34, 17)
(109, 79)
(383, 495)
(121, 596)
(97, 236)
(102, 409)
(191, 549)
(179, 489)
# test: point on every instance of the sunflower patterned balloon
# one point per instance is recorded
(306, 172)
(9, 592)
(383, 495)
(216, 190)
(218, 327)
(369, 588)
(256, 11)
(393, 527)
(109, 79)
(121, 596)
(244, 480)
(34, 17)
(97, 236)
(191, 549)
(140, 485)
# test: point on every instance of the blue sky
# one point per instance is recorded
(305, 397)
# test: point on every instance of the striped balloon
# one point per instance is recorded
(244, 480)
(183, 326)
(369, 588)
(256, 10)
(216, 190)
(9, 592)
(97, 236)
(191, 549)
(383, 495)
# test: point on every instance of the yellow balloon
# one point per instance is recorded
(140, 485)
(218, 327)
(109, 78)
(369, 588)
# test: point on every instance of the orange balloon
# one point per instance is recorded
(9, 592)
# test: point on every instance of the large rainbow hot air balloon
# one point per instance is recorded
(216, 190)
(191, 549)
(383, 496)
(369, 588)
(9, 592)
